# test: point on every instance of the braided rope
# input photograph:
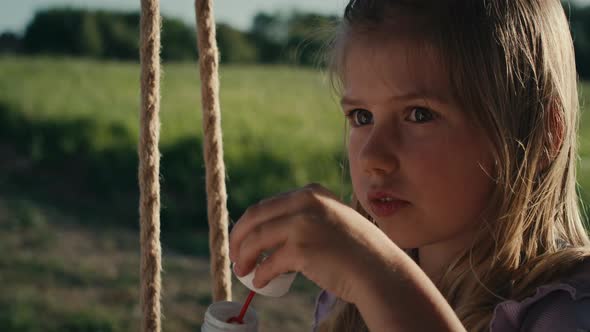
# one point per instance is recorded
(149, 167)
(213, 151)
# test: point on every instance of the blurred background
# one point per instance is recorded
(69, 103)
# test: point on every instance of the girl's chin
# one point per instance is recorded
(403, 240)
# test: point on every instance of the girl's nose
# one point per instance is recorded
(379, 152)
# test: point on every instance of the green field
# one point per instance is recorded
(281, 126)
(68, 188)
(68, 137)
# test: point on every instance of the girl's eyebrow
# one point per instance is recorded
(349, 101)
(345, 100)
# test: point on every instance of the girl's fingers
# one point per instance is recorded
(281, 261)
(268, 235)
(258, 214)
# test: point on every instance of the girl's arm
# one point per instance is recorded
(396, 295)
(312, 232)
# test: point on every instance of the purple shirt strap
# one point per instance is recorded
(323, 305)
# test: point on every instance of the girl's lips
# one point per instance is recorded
(385, 203)
(385, 209)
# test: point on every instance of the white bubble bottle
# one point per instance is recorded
(219, 313)
(277, 287)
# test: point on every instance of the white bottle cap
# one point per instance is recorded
(219, 313)
(277, 287)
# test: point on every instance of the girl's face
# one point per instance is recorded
(418, 165)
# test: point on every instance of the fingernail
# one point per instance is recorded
(256, 283)
(259, 284)
(237, 270)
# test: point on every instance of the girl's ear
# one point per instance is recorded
(555, 125)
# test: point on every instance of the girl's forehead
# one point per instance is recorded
(400, 64)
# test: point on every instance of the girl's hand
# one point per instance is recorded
(311, 232)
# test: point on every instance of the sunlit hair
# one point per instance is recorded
(511, 68)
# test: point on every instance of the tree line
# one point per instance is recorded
(272, 38)
(296, 38)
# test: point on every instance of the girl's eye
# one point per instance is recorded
(360, 117)
(420, 115)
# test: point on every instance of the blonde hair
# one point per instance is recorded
(520, 54)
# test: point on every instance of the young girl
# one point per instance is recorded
(462, 154)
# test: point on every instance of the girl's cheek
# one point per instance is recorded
(354, 145)
(353, 149)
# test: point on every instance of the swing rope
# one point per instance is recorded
(149, 166)
(213, 152)
(149, 160)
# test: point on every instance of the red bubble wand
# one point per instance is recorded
(240, 318)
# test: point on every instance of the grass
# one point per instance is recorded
(259, 104)
(281, 129)
(86, 278)
(68, 137)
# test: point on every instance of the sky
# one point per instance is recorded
(16, 14)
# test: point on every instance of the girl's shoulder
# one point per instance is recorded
(563, 305)
(559, 306)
